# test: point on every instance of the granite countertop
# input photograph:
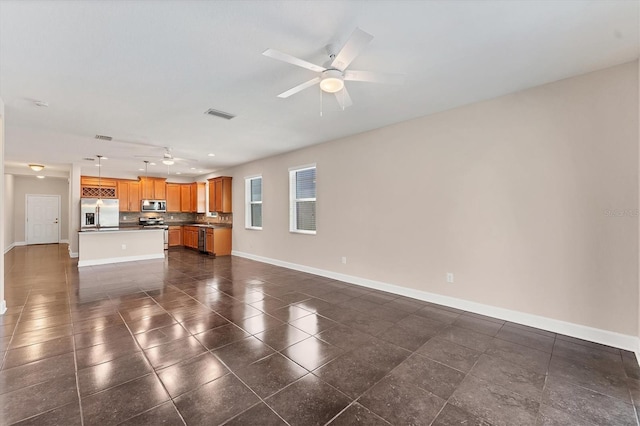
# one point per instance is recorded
(134, 225)
(205, 225)
(122, 228)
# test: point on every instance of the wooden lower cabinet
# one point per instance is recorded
(190, 236)
(175, 236)
(222, 241)
(209, 241)
(218, 240)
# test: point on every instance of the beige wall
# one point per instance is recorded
(9, 202)
(511, 195)
(24, 185)
(2, 219)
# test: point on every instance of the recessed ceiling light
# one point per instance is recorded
(104, 158)
(98, 165)
(211, 155)
(178, 173)
(199, 171)
(193, 168)
(152, 164)
(40, 177)
(142, 170)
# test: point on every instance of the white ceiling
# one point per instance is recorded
(145, 71)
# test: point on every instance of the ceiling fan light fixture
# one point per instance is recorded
(36, 167)
(332, 81)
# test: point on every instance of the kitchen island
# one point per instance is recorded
(104, 246)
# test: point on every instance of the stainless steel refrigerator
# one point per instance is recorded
(95, 216)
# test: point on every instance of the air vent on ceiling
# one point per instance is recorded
(220, 114)
(88, 159)
(104, 138)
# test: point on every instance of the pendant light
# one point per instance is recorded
(99, 202)
(145, 202)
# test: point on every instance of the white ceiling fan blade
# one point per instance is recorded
(352, 48)
(343, 98)
(373, 77)
(299, 88)
(285, 57)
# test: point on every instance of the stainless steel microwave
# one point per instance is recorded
(153, 206)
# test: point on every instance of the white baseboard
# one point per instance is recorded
(9, 247)
(63, 242)
(605, 337)
(72, 254)
(3, 306)
(82, 263)
(19, 243)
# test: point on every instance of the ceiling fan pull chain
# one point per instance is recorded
(320, 102)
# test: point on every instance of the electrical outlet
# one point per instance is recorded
(124, 247)
(171, 217)
(344, 260)
(449, 277)
(124, 218)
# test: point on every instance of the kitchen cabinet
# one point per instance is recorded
(129, 195)
(153, 188)
(175, 236)
(185, 198)
(198, 197)
(222, 241)
(209, 241)
(218, 241)
(92, 187)
(190, 236)
(173, 197)
(220, 194)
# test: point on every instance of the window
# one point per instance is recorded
(253, 207)
(302, 195)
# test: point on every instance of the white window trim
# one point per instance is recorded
(292, 199)
(248, 202)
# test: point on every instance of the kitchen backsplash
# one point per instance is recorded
(168, 217)
(226, 218)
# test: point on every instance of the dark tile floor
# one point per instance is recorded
(195, 340)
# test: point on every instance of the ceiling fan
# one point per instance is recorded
(334, 72)
(168, 158)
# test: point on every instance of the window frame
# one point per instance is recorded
(248, 202)
(293, 210)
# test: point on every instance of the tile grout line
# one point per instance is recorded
(75, 357)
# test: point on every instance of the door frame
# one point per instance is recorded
(26, 215)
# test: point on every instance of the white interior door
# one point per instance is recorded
(43, 219)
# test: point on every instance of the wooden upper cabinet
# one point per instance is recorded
(173, 197)
(153, 188)
(92, 187)
(198, 197)
(134, 196)
(220, 194)
(123, 195)
(129, 195)
(160, 189)
(185, 198)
